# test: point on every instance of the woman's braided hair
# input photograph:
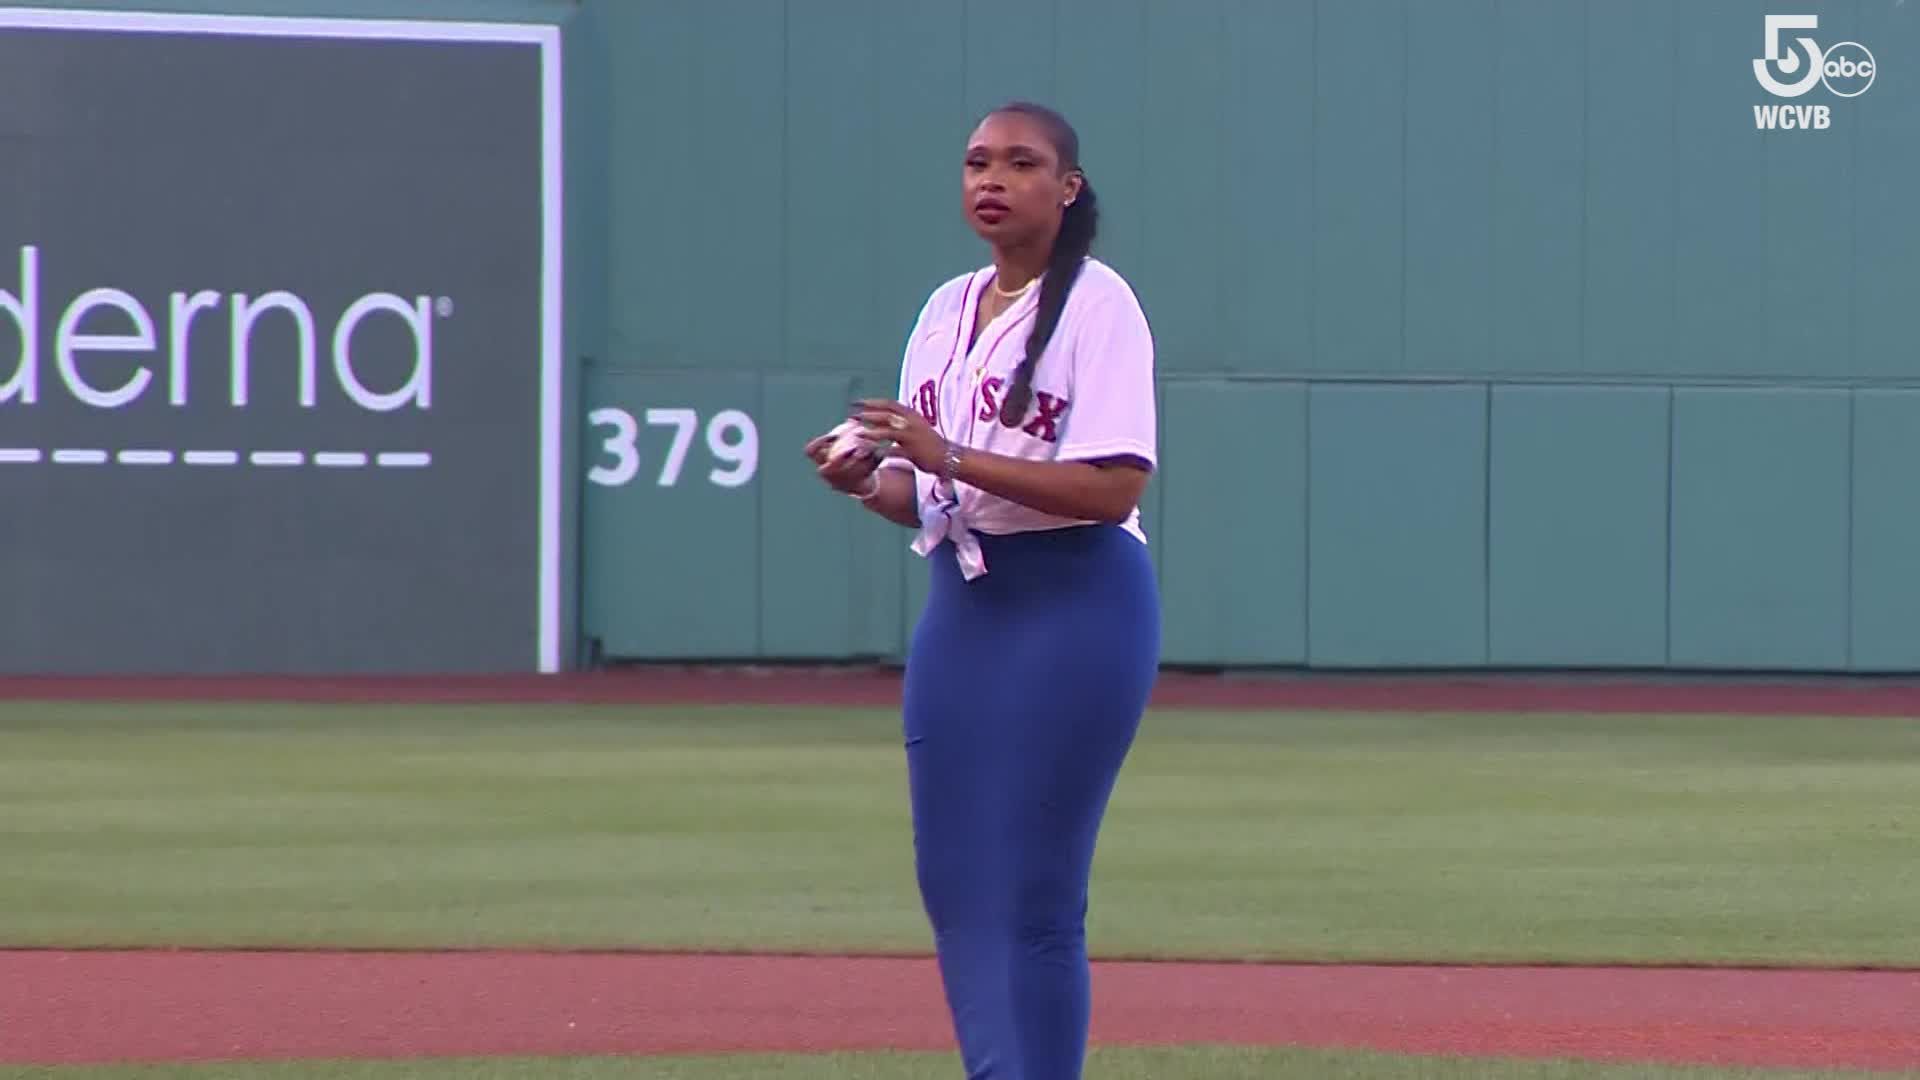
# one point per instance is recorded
(1079, 223)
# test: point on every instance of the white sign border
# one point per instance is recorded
(552, 251)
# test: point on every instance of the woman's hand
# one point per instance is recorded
(913, 438)
(891, 493)
(851, 473)
(1106, 490)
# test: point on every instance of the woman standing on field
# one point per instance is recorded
(1021, 442)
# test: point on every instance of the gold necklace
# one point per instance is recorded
(980, 369)
(1015, 294)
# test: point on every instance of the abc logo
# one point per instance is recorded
(1848, 69)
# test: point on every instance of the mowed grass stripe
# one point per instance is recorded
(1180, 1063)
(1290, 836)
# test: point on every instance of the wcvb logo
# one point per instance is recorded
(1792, 69)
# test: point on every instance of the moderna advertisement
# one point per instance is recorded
(279, 345)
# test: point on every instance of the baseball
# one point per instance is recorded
(848, 439)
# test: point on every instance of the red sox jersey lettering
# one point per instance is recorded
(1043, 416)
(927, 400)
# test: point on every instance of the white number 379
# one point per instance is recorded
(731, 439)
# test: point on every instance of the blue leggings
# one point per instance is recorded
(1024, 689)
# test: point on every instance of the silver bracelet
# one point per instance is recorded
(950, 466)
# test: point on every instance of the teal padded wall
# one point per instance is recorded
(1577, 526)
(1237, 537)
(1885, 533)
(1396, 515)
(1490, 333)
(1760, 524)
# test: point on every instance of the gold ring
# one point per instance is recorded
(898, 423)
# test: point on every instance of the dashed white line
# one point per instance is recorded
(331, 459)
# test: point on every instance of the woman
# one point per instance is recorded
(1021, 443)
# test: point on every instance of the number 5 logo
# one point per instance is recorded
(1787, 60)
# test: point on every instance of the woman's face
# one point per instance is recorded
(1012, 188)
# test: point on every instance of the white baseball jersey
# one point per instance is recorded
(1093, 397)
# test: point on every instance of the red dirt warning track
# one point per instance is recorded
(880, 688)
(67, 1007)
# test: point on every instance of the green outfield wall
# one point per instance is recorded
(1491, 333)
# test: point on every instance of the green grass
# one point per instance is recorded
(1536, 838)
(1185, 1063)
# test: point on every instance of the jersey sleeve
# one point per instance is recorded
(1113, 413)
